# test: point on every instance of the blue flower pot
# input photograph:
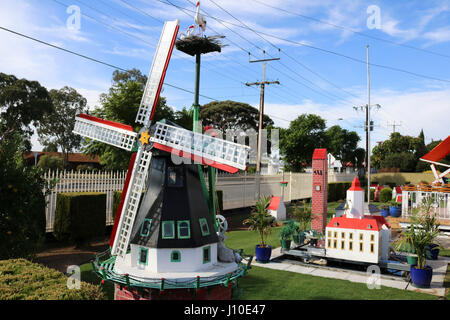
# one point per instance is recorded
(395, 211)
(421, 278)
(432, 252)
(263, 254)
(384, 212)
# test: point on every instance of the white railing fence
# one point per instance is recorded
(412, 199)
(239, 190)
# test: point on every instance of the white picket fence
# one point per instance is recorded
(238, 190)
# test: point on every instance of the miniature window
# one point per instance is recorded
(372, 248)
(343, 235)
(145, 228)
(329, 243)
(343, 245)
(168, 230)
(361, 247)
(329, 234)
(204, 226)
(335, 244)
(350, 246)
(350, 235)
(175, 256)
(184, 230)
(175, 176)
(361, 236)
(207, 254)
(372, 237)
(335, 234)
(143, 254)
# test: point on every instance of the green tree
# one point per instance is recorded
(184, 118)
(121, 104)
(22, 103)
(48, 162)
(232, 115)
(297, 143)
(55, 129)
(342, 144)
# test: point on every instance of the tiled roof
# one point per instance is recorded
(373, 223)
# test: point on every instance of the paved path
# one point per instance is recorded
(439, 271)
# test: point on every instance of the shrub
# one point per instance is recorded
(337, 190)
(385, 195)
(22, 203)
(80, 216)
(21, 279)
(48, 162)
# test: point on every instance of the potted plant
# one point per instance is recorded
(303, 217)
(262, 222)
(423, 231)
(394, 209)
(286, 234)
(384, 209)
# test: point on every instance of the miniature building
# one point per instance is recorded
(277, 208)
(320, 190)
(356, 236)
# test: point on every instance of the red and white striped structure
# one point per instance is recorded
(434, 156)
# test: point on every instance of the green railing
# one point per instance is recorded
(104, 267)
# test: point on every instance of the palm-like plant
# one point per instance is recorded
(423, 231)
(302, 214)
(260, 219)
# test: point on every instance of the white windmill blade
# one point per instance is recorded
(157, 73)
(215, 152)
(110, 132)
(131, 202)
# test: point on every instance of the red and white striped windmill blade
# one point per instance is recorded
(200, 19)
(221, 154)
(437, 154)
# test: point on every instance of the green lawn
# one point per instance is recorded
(247, 240)
(88, 275)
(268, 284)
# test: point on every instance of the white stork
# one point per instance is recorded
(200, 19)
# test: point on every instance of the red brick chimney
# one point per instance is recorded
(320, 190)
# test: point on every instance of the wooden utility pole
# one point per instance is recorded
(262, 84)
(368, 127)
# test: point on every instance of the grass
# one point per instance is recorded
(247, 240)
(268, 284)
(88, 275)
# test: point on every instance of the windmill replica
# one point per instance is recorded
(166, 242)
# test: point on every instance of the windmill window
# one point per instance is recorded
(168, 230)
(175, 256)
(207, 254)
(143, 255)
(145, 228)
(204, 226)
(175, 177)
(184, 229)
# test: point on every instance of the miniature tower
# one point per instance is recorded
(355, 200)
(320, 190)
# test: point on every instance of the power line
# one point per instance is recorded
(353, 31)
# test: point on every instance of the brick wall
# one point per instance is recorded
(319, 198)
(210, 293)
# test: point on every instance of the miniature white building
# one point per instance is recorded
(356, 236)
(277, 208)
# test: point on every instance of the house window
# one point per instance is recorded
(143, 255)
(372, 237)
(350, 246)
(207, 254)
(175, 176)
(204, 226)
(372, 249)
(329, 234)
(343, 245)
(360, 247)
(175, 256)
(168, 230)
(343, 235)
(334, 244)
(329, 243)
(145, 228)
(335, 234)
(184, 229)
(350, 235)
(361, 236)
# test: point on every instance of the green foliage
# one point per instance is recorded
(337, 190)
(261, 220)
(22, 103)
(21, 279)
(80, 217)
(288, 230)
(117, 197)
(385, 195)
(55, 129)
(423, 231)
(342, 144)
(22, 202)
(232, 115)
(49, 162)
(302, 214)
(394, 203)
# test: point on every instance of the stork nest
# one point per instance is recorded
(195, 44)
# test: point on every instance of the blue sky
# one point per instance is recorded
(312, 81)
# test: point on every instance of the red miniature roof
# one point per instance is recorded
(398, 190)
(356, 186)
(438, 152)
(374, 223)
(274, 203)
(319, 154)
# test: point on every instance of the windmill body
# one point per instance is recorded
(164, 229)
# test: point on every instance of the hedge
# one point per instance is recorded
(21, 279)
(80, 217)
(385, 195)
(338, 190)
